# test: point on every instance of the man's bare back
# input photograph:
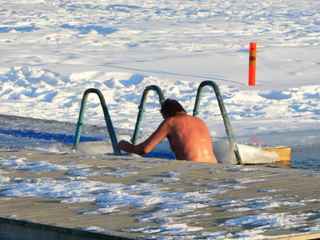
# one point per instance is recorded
(188, 136)
(190, 139)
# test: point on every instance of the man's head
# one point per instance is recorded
(170, 108)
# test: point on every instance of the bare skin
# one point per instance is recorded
(188, 136)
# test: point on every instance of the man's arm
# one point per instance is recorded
(149, 144)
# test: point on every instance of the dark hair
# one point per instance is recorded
(171, 107)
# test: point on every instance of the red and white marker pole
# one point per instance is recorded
(252, 64)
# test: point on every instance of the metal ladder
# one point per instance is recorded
(107, 119)
(159, 92)
(224, 114)
(107, 116)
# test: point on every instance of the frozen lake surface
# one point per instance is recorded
(52, 51)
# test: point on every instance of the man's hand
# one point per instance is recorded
(125, 146)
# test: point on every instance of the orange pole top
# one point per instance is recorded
(252, 64)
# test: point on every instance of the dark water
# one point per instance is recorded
(26, 138)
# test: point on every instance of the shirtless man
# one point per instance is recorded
(188, 136)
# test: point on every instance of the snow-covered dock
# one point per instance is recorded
(156, 198)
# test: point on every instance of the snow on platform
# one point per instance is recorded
(157, 199)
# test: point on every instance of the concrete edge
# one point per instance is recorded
(12, 229)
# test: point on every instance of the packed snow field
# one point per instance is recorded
(53, 50)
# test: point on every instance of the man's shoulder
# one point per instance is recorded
(196, 120)
(182, 117)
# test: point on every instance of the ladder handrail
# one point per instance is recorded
(224, 114)
(149, 88)
(107, 119)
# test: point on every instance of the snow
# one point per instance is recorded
(34, 166)
(94, 229)
(109, 197)
(54, 50)
(72, 170)
(269, 220)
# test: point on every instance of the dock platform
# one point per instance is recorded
(78, 196)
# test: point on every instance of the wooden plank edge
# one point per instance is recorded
(299, 236)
